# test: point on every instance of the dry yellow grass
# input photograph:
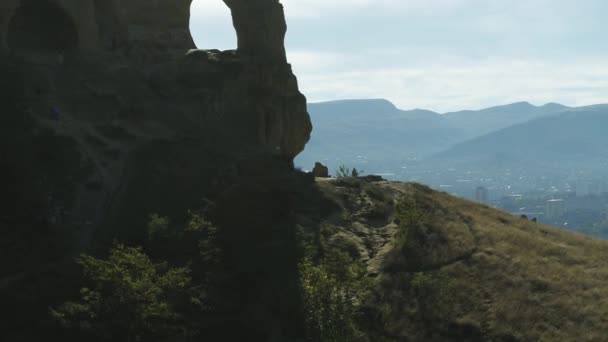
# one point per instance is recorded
(544, 284)
(510, 279)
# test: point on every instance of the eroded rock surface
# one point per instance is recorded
(320, 171)
(148, 38)
(147, 118)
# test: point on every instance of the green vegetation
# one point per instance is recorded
(344, 172)
(129, 297)
(410, 218)
(431, 293)
(357, 260)
(462, 271)
(412, 270)
(333, 293)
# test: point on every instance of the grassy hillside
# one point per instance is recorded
(449, 269)
(280, 257)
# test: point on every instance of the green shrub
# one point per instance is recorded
(128, 297)
(333, 292)
(158, 228)
(410, 217)
(343, 172)
(195, 243)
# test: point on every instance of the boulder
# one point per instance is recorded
(320, 171)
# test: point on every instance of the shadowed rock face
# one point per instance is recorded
(152, 35)
(260, 27)
(121, 85)
(41, 26)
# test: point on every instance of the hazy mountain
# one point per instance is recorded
(377, 133)
(476, 123)
(576, 135)
(349, 131)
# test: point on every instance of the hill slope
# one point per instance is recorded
(362, 260)
(480, 122)
(449, 269)
(572, 136)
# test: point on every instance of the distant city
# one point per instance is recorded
(578, 201)
(570, 202)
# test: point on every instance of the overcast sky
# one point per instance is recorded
(442, 55)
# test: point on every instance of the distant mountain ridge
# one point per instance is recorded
(352, 108)
(576, 135)
(376, 132)
(479, 122)
(348, 129)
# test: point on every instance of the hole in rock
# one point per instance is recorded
(211, 25)
(39, 25)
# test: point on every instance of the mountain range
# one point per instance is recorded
(575, 137)
(377, 133)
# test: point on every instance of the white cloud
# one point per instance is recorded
(303, 8)
(501, 51)
(448, 87)
(314, 62)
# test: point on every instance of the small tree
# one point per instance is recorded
(158, 228)
(329, 305)
(333, 292)
(343, 172)
(128, 297)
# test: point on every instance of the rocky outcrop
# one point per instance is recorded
(109, 114)
(99, 24)
(148, 37)
(147, 118)
(260, 27)
(320, 171)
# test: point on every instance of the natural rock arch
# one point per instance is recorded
(40, 25)
(151, 33)
(260, 28)
(211, 25)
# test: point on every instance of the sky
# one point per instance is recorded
(442, 55)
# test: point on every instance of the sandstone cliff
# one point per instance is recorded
(149, 40)
(124, 107)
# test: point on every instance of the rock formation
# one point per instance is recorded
(320, 171)
(131, 112)
(109, 114)
(253, 86)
